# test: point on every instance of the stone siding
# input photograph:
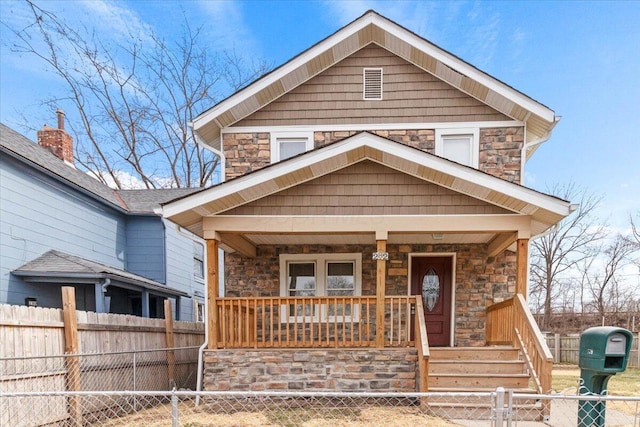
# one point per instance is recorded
(501, 152)
(500, 148)
(245, 152)
(480, 281)
(383, 370)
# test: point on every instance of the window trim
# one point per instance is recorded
(321, 261)
(364, 84)
(275, 146)
(442, 134)
(201, 260)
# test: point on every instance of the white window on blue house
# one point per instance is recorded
(198, 261)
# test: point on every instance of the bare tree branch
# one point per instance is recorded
(129, 104)
(560, 250)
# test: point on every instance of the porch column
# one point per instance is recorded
(212, 293)
(522, 266)
(381, 257)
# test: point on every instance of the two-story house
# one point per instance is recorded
(372, 217)
(61, 227)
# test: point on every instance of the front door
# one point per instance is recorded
(431, 279)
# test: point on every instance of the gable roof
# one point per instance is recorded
(188, 212)
(131, 201)
(27, 151)
(374, 28)
(55, 265)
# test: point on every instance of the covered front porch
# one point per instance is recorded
(387, 320)
(367, 250)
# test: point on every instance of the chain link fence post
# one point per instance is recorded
(174, 408)
(499, 409)
(135, 401)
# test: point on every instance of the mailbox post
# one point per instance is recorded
(604, 351)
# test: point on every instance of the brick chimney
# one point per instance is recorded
(57, 141)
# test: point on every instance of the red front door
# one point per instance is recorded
(431, 280)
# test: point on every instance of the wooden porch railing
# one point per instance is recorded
(294, 322)
(510, 322)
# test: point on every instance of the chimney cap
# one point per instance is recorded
(60, 115)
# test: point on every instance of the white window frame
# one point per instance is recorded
(276, 136)
(321, 260)
(474, 133)
(201, 259)
(364, 83)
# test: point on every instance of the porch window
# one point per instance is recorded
(321, 275)
(458, 145)
(289, 144)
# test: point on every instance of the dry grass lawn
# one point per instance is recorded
(190, 416)
(627, 383)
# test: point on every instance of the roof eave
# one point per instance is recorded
(541, 200)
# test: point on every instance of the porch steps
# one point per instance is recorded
(476, 370)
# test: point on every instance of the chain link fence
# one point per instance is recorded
(146, 370)
(199, 409)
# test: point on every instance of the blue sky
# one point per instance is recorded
(581, 59)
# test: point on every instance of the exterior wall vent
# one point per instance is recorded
(372, 83)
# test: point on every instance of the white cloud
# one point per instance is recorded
(114, 20)
(128, 181)
(226, 27)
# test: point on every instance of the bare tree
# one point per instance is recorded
(601, 275)
(133, 100)
(635, 230)
(560, 250)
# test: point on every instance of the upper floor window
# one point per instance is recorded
(459, 145)
(289, 144)
(372, 83)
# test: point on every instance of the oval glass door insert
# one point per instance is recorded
(430, 289)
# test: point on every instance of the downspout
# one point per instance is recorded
(206, 146)
(206, 310)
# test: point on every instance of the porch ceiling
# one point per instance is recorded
(244, 234)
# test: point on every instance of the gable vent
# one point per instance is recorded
(372, 83)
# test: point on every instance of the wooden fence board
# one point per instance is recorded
(37, 331)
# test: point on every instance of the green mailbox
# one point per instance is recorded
(604, 351)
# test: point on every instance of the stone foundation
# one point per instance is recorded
(383, 370)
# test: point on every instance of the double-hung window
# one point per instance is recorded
(324, 276)
(198, 261)
(460, 145)
(288, 144)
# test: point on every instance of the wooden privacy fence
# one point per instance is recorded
(565, 348)
(35, 331)
(68, 350)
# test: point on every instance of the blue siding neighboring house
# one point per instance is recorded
(59, 226)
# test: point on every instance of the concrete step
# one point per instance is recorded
(482, 412)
